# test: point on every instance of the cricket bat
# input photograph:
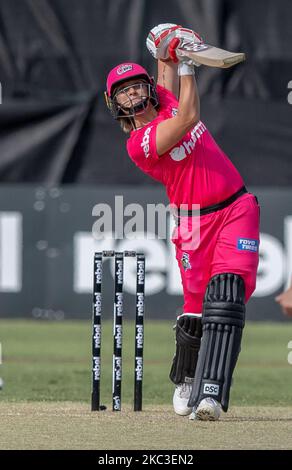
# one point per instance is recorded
(209, 55)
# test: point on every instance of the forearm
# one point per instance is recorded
(177, 76)
(172, 130)
(167, 76)
(189, 101)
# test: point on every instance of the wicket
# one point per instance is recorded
(117, 328)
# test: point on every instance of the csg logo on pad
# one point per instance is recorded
(211, 389)
(247, 244)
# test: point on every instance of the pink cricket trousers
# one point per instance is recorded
(225, 241)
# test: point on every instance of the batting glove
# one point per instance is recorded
(185, 39)
(159, 38)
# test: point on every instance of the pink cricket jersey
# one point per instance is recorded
(194, 171)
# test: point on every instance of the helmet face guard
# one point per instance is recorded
(124, 105)
(123, 73)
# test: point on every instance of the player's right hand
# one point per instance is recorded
(159, 38)
(183, 38)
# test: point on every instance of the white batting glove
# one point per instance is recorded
(188, 37)
(185, 64)
(159, 38)
(184, 39)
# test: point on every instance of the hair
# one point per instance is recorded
(126, 124)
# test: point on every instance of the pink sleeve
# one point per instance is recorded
(142, 144)
(142, 147)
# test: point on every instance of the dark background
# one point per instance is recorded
(54, 59)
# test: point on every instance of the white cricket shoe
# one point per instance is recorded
(208, 410)
(181, 397)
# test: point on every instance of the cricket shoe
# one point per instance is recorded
(181, 397)
(208, 410)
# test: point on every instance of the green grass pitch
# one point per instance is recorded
(45, 400)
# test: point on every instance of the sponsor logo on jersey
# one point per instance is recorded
(124, 68)
(178, 153)
(145, 142)
(186, 148)
(247, 244)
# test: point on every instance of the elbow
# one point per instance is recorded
(192, 120)
(187, 121)
(196, 119)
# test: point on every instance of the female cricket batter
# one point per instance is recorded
(169, 142)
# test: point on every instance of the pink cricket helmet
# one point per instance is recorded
(123, 72)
